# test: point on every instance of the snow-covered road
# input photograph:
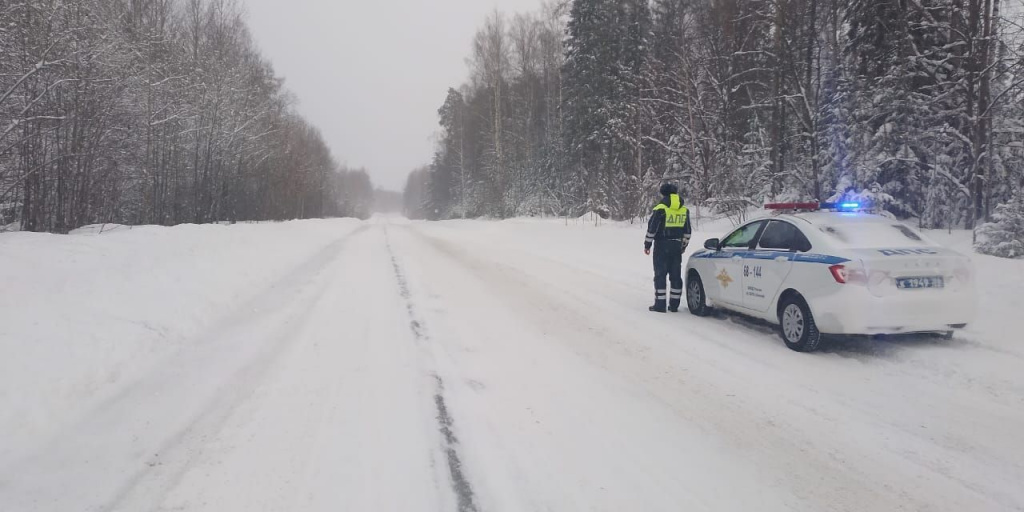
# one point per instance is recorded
(469, 366)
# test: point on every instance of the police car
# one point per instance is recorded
(832, 269)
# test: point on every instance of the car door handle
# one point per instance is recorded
(782, 259)
(737, 258)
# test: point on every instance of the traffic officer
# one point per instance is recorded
(669, 233)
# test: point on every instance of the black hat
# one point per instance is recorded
(668, 189)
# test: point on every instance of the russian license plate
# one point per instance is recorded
(920, 283)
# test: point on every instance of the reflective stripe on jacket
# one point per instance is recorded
(669, 221)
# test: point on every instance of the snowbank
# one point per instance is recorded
(1001, 300)
(83, 313)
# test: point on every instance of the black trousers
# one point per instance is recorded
(668, 263)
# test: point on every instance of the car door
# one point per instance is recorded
(728, 278)
(766, 268)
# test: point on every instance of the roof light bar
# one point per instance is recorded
(792, 206)
(849, 206)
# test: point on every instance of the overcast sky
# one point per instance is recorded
(371, 74)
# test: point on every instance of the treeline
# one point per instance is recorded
(351, 194)
(501, 151)
(152, 112)
(587, 105)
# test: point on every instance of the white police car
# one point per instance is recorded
(816, 269)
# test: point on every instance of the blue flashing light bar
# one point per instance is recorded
(847, 207)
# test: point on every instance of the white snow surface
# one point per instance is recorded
(389, 365)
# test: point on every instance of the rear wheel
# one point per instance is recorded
(696, 299)
(796, 325)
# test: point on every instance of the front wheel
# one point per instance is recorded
(696, 299)
(796, 325)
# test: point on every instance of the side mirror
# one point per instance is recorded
(711, 244)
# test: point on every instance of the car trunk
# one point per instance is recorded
(929, 271)
(896, 260)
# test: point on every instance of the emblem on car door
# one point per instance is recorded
(724, 278)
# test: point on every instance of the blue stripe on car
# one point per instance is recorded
(771, 255)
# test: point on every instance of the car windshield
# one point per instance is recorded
(875, 234)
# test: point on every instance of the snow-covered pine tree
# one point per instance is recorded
(1004, 237)
(415, 194)
(923, 94)
(889, 104)
(607, 72)
(632, 114)
(589, 89)
(449, 179)
(670, 90)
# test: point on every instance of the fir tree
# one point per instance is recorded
(589, 89)
(1005, 236)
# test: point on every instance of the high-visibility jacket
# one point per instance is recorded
(670, 220)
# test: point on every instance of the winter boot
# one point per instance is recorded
(675, 300)
(659, 302)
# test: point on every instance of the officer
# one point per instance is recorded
(669, 232)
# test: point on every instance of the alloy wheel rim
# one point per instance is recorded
(693, 295)
(793, 323)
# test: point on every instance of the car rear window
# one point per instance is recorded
(875, 235)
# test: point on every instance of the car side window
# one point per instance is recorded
(783, 236)
(742, 237)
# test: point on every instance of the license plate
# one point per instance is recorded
(920, 283)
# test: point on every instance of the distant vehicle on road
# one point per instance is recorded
(833, 269)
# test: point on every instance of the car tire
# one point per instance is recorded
(696, 298)
(796, 325)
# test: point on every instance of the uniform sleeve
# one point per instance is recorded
(687, 232)
(654, 226)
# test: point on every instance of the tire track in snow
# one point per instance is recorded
(288, 294)
(867, 463)
(446, 425)
(227, 362)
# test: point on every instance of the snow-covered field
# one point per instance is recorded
(470, 366)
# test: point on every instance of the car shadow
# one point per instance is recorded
(748, 322)
(889, 346)
(855, 347)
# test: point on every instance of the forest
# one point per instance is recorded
(588, 105)
(153, 112)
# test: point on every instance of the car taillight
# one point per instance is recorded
(845, 274)
(839, 273)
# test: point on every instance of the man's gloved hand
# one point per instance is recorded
(685, 245)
